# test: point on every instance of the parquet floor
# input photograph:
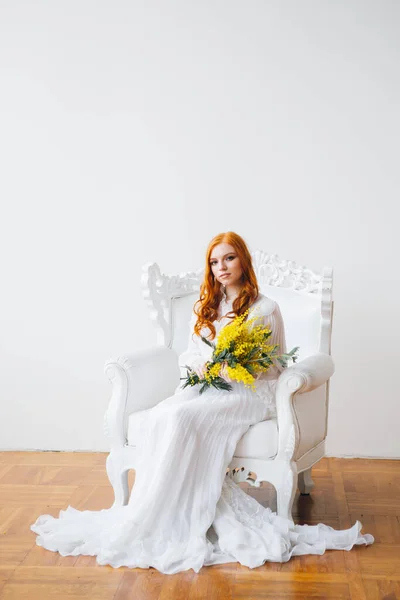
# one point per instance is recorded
(33, 483)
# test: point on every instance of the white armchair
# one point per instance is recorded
(280, 450)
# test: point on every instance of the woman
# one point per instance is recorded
(183, 513)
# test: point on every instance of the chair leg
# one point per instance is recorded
(285, 493)
(119, 481)
(305, 483)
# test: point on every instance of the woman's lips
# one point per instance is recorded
(225, 275)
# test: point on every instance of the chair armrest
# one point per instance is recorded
(308, 374)
(300, 384)
(139, 380)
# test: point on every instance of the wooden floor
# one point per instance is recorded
(34, 483)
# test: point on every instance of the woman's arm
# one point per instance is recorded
(274, 321)
(192, 356)
(268, 315)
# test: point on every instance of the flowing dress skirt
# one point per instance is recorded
(183, 512)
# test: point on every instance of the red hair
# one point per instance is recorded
(206, 308)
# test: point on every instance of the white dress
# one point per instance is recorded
(183, 512)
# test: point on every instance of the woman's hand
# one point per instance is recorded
(224, 372)
(200, 370)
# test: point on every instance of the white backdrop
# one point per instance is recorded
(137, 130)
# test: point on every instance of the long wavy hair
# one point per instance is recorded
(211, 293)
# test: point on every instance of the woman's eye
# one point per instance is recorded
(212, 263)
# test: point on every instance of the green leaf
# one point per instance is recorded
(221, 384)
(252, 353)
(206, 341)
(203, 388)
(221, 356)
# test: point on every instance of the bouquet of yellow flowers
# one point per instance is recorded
(242, 352)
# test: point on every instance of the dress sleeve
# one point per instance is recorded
(274, 321)
(192, 355)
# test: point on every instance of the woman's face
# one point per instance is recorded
(225, 265)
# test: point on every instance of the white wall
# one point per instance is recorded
(135, 131)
